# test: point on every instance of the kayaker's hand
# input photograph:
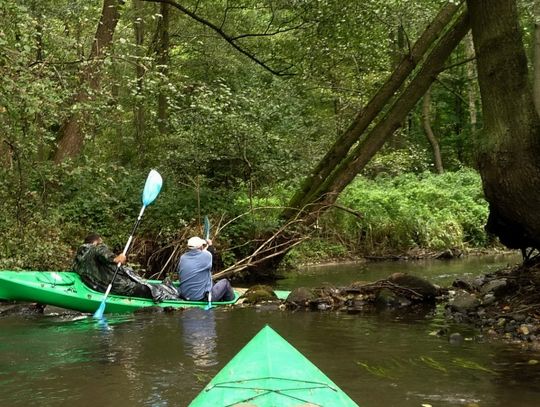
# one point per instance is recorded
(121, 258)
(209, 242)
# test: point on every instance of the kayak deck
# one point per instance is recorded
(269, 371)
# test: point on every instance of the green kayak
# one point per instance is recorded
(269, 371)
(66, 290)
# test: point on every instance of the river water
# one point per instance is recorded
(384, 359)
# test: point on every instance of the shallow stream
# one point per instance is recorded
(385, 359)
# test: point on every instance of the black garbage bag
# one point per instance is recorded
(160, 292)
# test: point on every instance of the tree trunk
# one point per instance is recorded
(509, 145)
(162, 51)
(138, 28)
(375, 139)
(71, 138)
(472, 92)
(426, 123)
(536, 57)
(337, 153)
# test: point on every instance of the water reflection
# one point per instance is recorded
(520, 374)
(199, 335)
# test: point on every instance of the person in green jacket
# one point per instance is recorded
(96, 264)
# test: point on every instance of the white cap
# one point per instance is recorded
(195, 242)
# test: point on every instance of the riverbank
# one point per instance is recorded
(413, 254)
(496, 303)
(504, 304)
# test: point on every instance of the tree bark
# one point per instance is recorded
(337, 153)
(536, 56)
(162, 51)
(138, 30)
(509, 145)
(71, 138)
(426, 124)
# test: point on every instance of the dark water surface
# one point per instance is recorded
(166, 359)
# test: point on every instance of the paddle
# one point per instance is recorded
(150, 192)
(206, 228)
(206, 237)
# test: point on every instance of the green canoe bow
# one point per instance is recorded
(269, 371)
(66, 290)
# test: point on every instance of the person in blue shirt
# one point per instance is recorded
(195, 274)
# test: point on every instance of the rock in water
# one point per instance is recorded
(300, 297)
(259, 293)
(427, 290)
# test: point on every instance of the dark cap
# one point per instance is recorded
(92, 237)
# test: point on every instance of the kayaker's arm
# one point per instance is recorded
(105, 256)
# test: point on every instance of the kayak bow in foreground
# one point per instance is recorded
(269, 371)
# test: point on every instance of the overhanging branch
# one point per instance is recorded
(230, 39)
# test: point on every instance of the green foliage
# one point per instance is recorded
(236, 137)
(402, 213)
(396, 161)
(414, 211)
(319, 249)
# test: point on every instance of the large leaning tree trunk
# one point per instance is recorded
(307, 193)
(327, 191)
(372, 142)
(71, 137)
(509, 145)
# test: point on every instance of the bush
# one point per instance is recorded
(410, 211)
(427, 210)
(48, 210)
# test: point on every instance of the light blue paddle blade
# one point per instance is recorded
(99, 313)
(151, 187)
(206, 233)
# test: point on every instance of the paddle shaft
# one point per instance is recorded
(206, 237)
(126, 248)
